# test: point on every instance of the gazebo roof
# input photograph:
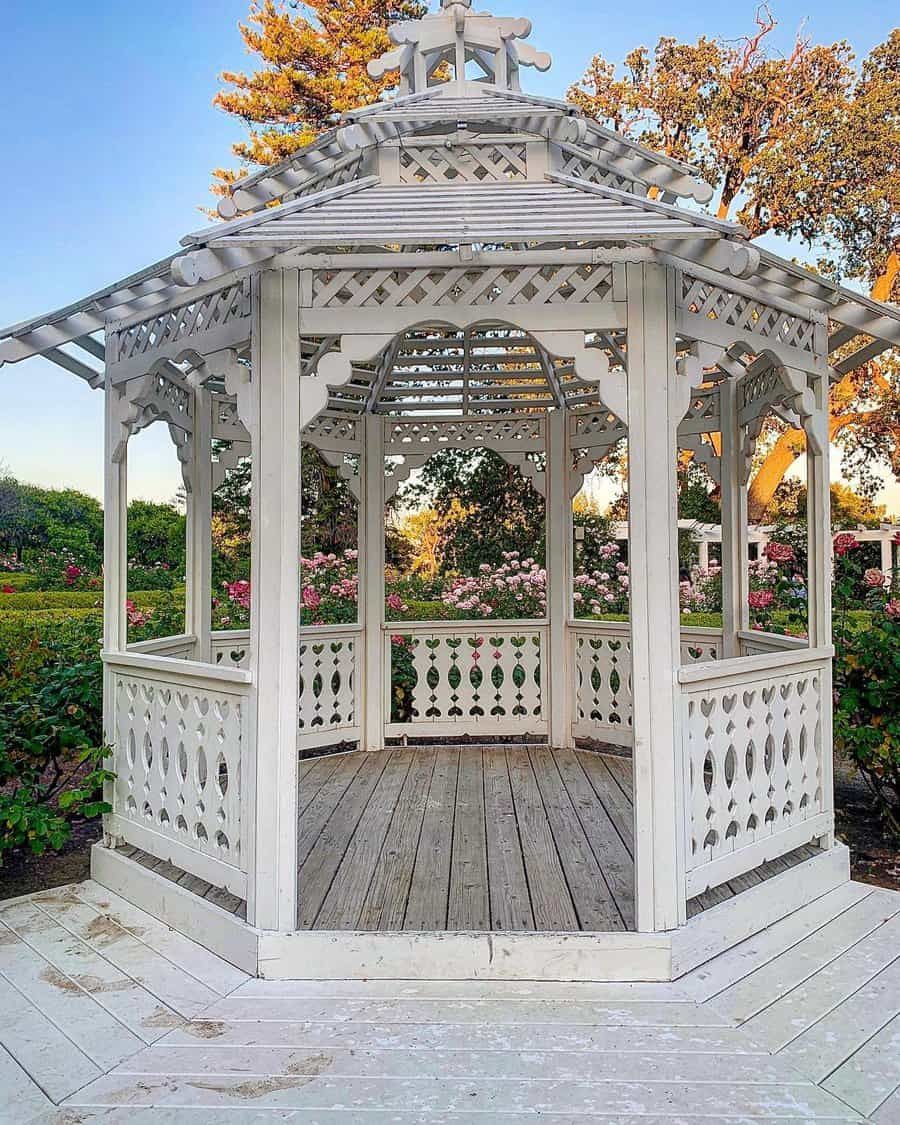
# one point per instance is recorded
(460, 169)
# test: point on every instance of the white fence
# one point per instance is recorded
(230, 648)
(329, 673)
(180, 647)
(757, 784)
(180, 738)
(462, 676)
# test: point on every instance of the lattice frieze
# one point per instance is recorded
(603, 693)
(209, 322)
(518, 434)
(461, 286)
(463, 163)
(702, 416)
(492, 674)
(333, 431)
(755, 760)
(592, 434)
(743, 313)
(327, 683)
(177, 760)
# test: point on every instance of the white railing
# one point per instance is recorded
(601, 662)
(230, 648)
(179, 735)
(757, 643)
(756, 781)
(330, 664)
(462, 676)
(180, 647)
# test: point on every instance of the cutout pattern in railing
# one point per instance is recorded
(486, 673)
(603, 699)
(328, 670)
(231, 648)
(177, 760)
(754, 763)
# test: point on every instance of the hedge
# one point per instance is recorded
(43, 600)
(16, 578)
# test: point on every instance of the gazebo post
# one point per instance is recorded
(271, 780)
(653, 554)
(735, 610)
(559, 594)
(115, 562)
(198, 570)
(370, 700)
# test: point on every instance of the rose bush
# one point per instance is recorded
(867, 680)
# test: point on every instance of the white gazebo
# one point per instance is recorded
(467, 266)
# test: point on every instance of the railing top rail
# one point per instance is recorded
(229, 634)
(190, 671)
(329, 630)
(176, 641)
(480, 626)
(744, 668)
(774, 640)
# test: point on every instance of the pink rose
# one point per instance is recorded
(845, 542)
(779, 552)
(874, 578)
(892, 609)
(311, 597)
(760, 599)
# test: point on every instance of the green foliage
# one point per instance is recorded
(50, 518)
(867, 680)
(156, 541)
(78, 599)
(51, 750)
(502, 512)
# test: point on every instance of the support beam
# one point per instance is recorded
(735, 578)
(559, 577)
(198, 577)
(271, 778)
(653, 412)
(371, 699)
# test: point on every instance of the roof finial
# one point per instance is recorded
(454, 38)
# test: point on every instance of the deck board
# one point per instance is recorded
(429, 889)
(468, 907)
(508, 886)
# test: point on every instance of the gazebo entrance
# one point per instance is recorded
(467, 266)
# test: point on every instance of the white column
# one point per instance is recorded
(735, 574)
(558, 527)
(371, 686)
(819, 566)
(653, 542)
(703, 554)
(272, 776)
(198, 572)
(115, 561)
(887, 555)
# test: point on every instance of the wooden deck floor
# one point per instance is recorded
(466, 839)
(503, 838)
(109, 1016)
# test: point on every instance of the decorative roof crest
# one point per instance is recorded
(455, 37)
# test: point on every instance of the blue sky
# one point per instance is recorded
(109, 136)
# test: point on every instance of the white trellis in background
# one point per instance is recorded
(467, 266)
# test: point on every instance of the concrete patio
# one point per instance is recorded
(108, 1015)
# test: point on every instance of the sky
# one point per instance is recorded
(109, 136)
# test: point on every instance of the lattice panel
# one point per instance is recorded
(333, 431)
(755, 760)
(343, 175)
(178, 764)
(523, 285)
(490, 674)
(327, 682)
(581, 166)
(467, 163)
(525, 433)
(746, 314)
(603, 695)
(189, 321)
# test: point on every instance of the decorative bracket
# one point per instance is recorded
(335, 369)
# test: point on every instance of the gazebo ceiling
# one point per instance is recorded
(483, 369)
